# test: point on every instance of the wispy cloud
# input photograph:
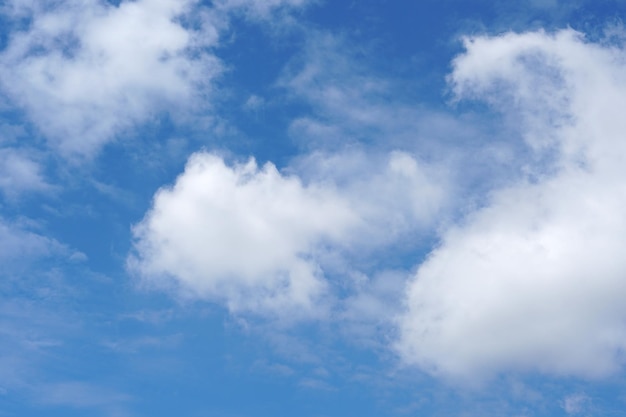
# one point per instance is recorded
(576, 404)
(18, 243)
(20, 173)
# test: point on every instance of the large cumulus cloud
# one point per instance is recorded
(535, 279)
(260, 240)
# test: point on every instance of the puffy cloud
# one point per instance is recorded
(86, 70)
(258, 240)
(534, 280)
(244, 234)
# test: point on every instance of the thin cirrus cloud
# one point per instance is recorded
(534, 280)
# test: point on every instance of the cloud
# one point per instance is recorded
(18, 243)
(260, 240)
(576, 404)
(254, 103)
(85, 71)
(410, 193)
(534, 279)
(367, 311)
(19, 173)
(352, 202)
(244, 234)
(351, 105)
(348, 103)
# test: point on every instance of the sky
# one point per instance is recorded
(250, 208)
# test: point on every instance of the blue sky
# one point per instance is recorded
(247, 208)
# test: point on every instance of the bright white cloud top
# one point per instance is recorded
(535, 279)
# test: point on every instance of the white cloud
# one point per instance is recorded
(85, 71)
(244, 234)
(534, 280)
(369, 198)
(19, 173)
(260, 240)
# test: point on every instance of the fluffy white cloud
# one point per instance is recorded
(257, 239)
(86, 70)
(244, 234)
(534, 280)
